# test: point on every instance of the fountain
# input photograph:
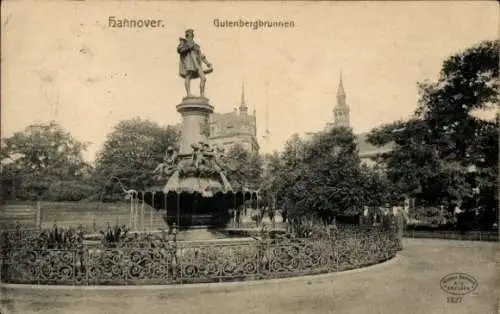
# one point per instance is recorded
(197, 195)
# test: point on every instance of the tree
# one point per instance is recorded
(436, 150)
(272, 166)
(132, 151)
(333, 174)
(245, 167)
(324, 177)
(378, 190)
(39, 159)
(282, 171)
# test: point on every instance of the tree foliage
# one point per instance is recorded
(132, 151)
(272, 165)
(324, 177)
(445, 150)
(41, 158)
(245, 167)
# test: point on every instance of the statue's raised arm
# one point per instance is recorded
(191, 62)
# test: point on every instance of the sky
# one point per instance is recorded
(62, 61)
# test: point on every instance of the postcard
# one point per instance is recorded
(249, 157)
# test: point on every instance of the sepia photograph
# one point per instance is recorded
(249, 157)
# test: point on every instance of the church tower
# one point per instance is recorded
(243, 105)
(341, 110)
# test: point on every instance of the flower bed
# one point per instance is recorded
(149, 259)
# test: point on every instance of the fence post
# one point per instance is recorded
(151, 214)
(337, 254)
(130, 214)
(175, 261)
(136, 212)
(1, 266)
(142, 212)
(38, 216)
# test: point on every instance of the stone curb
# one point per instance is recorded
(213, 286)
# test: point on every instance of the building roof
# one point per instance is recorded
(368, 150)
(232, 123)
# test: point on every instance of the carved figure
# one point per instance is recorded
(219, 159)
(170, 157)
(198, 158)
(208, 150)
(191, 62)
(159, 171)
(167, 167)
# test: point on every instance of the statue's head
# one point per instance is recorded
(194, 146)
(189, 33)
(170, 149)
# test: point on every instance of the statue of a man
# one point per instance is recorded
(191, 62)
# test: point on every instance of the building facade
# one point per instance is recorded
(236, 127)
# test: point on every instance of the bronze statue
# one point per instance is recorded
(159, 172)
(191, 62)
(170, 157)
(167, 167)
(207, 149)
(219, 161)
(198, 158)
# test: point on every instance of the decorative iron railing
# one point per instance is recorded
(151, 260)
(453, 235)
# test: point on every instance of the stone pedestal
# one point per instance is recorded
(195, 127)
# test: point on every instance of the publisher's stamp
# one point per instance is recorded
(457, 285)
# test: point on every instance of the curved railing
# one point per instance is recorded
(149, 260)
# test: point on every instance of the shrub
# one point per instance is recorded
(113, 236)
(309, 227)
(60, 238)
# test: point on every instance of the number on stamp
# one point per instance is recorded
(454, 300)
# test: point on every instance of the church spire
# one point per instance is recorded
(340, 91)
(243, 104)
(341, 111)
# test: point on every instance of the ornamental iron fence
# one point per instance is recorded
(148, 260)
(453, 235)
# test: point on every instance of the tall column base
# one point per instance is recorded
(195, 128)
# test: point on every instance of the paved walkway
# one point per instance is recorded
(409, 284)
